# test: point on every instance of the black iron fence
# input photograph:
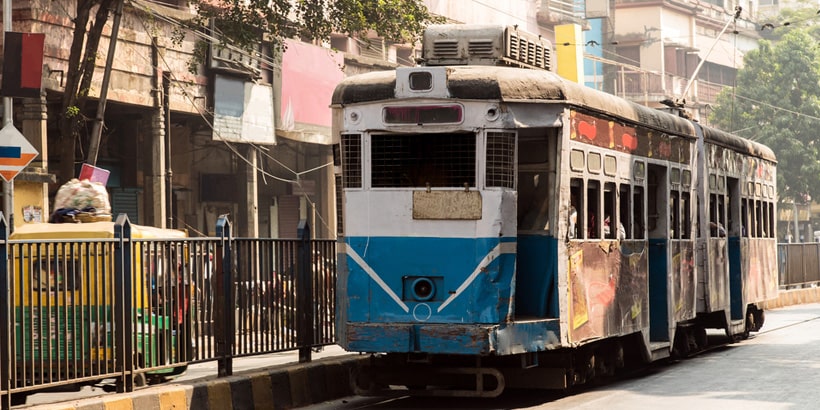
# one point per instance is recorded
(798, 264)
(141, 304)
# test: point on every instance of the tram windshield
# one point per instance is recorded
(421, 160)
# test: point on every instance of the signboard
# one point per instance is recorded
(243, 111)
(15, 152)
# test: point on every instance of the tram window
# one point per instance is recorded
(771, 220)
(759, 219)
(576, 160)
(420, 160)
(685, 218)
(652, 200)
(533, 201)
(623, 212)
(352, 160)
(744, 217)
(611, 220)
(575, 215)
(533, 150)
(593, 199)
(639, 171)
(675, 175)
(674, 214)
(764, 217)
(638, 224)
(594, 162)
(500, 159)
(52, 274)
(717, 223)
(610, 165)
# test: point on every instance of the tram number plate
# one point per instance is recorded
(447, 205)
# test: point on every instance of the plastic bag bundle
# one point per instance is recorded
(83, 195)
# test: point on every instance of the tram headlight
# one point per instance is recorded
(422, 288)
(421, 81)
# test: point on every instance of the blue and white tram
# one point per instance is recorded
(505, 227)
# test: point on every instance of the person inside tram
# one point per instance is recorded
(717, 229)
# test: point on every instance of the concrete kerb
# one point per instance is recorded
(791, 297)
(281, 387)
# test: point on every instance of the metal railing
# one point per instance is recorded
(798, 264)
(136, 309)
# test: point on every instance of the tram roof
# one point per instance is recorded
(519, 85)
(736, 143)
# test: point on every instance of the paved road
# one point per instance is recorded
(777, 368)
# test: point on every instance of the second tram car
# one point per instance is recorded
(505, 227)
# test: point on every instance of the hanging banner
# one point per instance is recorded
(22, 64)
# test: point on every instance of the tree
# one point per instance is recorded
(242, 23)
(776, 101)
(81, 61)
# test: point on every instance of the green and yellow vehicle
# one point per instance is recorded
(64, 304)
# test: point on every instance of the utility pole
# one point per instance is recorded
(8, 187)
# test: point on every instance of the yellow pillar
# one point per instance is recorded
(569, 45)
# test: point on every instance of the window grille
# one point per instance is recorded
(500, 159)
(352, 160)
(421, 160)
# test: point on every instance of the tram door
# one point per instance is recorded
(657, 208)
(535, 290)
(735, 225)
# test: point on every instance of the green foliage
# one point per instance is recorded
(72, 111)
(776, 102)
(245, 22)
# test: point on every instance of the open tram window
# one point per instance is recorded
(674, 210)
(717, 222)
(593, 212)
(771, 220)
(624, 220)
(611, 219)
(685, 215)
(744, 217)
(575, 213)
(638, 213)
(422, 160)
(759, 218)
(55, 273)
